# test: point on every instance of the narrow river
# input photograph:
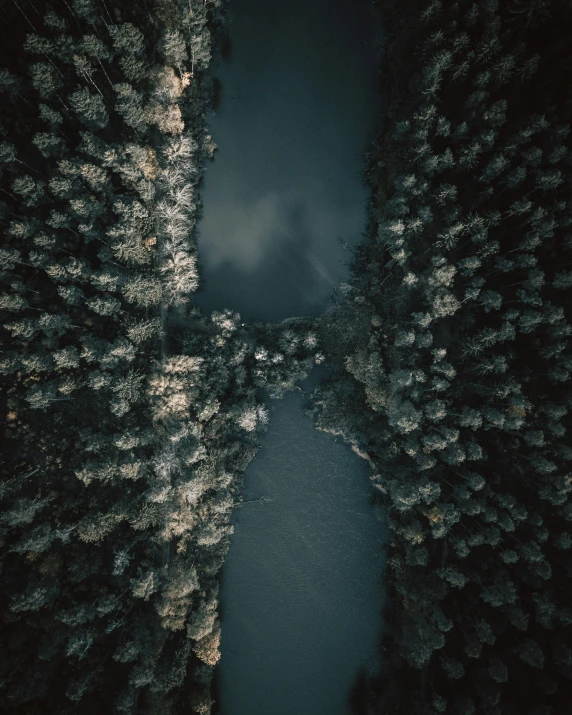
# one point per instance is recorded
(301, 586)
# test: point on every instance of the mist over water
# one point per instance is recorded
(301, 592)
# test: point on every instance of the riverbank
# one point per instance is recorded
(300, 596)
(123, 442)
(458, 386)
(283, 202)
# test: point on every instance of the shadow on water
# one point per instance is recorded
(358, 700)
(216, 93)
(226, 48)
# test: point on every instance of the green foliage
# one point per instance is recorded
(112, 477)
(458, 390)
(130, 415)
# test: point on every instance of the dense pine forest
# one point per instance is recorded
(458, 388)
(129, 415)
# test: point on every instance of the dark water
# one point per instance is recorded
(301, 585)
(297, 110)
(301, 591)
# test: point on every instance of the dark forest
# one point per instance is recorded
(129, 414)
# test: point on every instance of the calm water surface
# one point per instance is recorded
(297, 110)
(301, 589)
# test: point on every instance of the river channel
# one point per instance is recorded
(301, 592)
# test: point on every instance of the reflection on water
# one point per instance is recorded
(295, 113)
(301, 594)
(301, 591)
